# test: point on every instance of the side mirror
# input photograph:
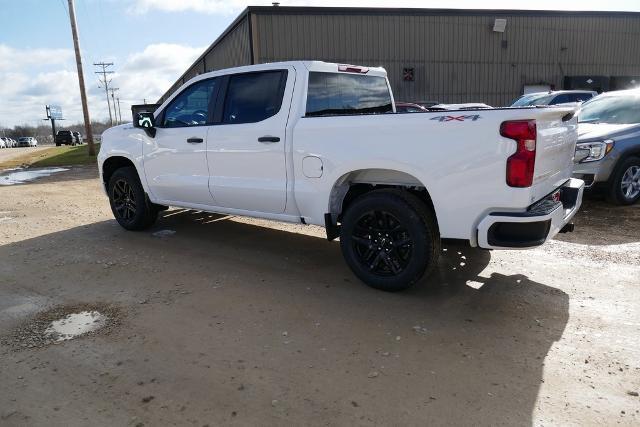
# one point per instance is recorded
(145, 120)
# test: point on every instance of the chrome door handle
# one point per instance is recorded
(268, 139)
(195, 140)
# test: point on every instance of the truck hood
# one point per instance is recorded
(590, 131)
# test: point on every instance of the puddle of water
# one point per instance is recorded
(20, 176)
(76, 324)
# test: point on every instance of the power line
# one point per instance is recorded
(64, 7)
(105, 82)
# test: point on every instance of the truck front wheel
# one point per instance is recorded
(129, 203)
(389, 239)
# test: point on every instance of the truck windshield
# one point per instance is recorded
(332, 94)
(611, 109)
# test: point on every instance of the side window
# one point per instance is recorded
(561, 99)
(579, 97)
(331, 94)
(254, 97)
(191, 107)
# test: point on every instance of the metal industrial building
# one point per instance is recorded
(446, 55)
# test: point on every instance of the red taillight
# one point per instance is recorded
(521, 165)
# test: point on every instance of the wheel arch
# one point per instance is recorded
(355, 183)
(113, 163)
(633, 151)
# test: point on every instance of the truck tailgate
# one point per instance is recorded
(555, 148)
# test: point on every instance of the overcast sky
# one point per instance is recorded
(151, 42)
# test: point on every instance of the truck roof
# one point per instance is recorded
(331, 67)
(319, 66)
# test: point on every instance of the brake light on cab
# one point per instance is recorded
(521, 165)
(344, 68)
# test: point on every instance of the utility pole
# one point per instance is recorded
(83, 93)
(119, 112)
(113, 98)
(105, 83)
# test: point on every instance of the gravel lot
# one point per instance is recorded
(246, 322)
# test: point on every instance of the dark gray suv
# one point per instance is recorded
(608, 148)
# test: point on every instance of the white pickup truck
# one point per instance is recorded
(319, 143)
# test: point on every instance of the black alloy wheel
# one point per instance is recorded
(382, 243)
(124, 200)
(389, 239)
(129, 203)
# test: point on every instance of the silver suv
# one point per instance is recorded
(608, 149)
(557, 97)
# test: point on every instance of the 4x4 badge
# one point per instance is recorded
(473, 118)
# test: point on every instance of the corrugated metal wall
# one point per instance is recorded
(232, 50)
(457, 57)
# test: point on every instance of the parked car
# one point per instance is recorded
(77, 137)
(465, 106)
(65, 137)
(314, 143)
(7, 142)
(408, 107)
(27, 141)
(557, 97)
(608, 150)
(426, 104)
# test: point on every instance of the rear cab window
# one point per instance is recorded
(337, 94)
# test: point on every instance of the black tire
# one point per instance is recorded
(58, 144)
(129, 203)
(616, 194)
(407, 250)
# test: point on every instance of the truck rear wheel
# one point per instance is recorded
(129, 203)
(390, 239)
